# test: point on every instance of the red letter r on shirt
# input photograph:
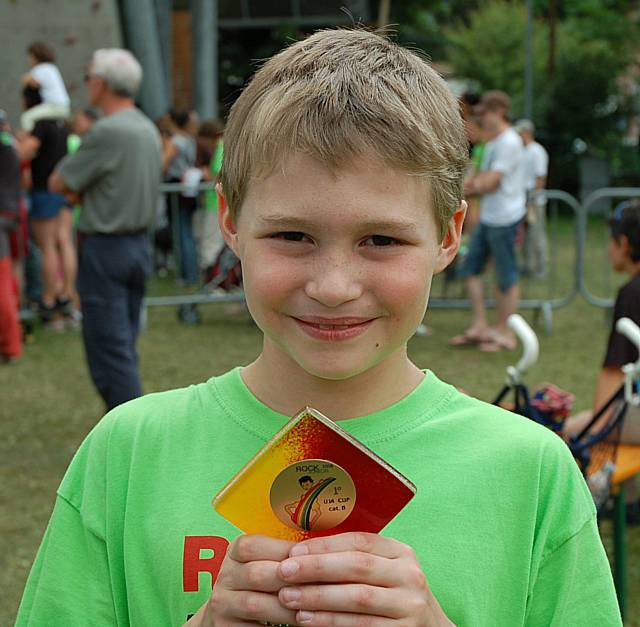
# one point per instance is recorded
(193, 564)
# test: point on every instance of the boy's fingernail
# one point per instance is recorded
(299, 549)
(304, 617)
(289, 568)
(290, 595)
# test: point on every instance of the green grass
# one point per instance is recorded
(48, 404)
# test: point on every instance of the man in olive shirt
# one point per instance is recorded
(116, 171)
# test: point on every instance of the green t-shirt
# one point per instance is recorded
(73, 143)
(502, 522)
(215, 165)
(117, 168)
(477, 154)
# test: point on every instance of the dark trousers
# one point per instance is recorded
(188, 252)
(111, 282)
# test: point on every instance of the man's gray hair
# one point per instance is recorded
(525, 125)
(119, 69)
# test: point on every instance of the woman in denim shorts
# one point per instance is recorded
(44, 146)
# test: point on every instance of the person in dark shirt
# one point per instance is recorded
(624, 253)
(44, 147)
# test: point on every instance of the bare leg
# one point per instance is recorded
(506, 304)
(44, 232)
(478, 330)
(68, 255)
(475, 289)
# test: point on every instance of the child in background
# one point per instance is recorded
(45, 76)
(624, 254)
(341, 193)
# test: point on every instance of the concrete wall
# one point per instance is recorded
(74, 28)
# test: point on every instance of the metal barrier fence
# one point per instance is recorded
(558, 290)
(596, 208)
(171, 194)
(570, 270)
(559, 287)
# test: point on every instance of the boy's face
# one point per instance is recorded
(337, 267)
(619, 252)
(491, 120)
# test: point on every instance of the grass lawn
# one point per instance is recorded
(48, 404)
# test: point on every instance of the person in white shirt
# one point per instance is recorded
(536, 167)
(500, 183)
(45, 76)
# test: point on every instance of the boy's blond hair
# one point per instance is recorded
(343, 94)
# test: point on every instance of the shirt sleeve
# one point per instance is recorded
(42, 73)
(574, 585)
(506, 157)
(620, 350)
(93, 160)
(69, 583)
(541, 162)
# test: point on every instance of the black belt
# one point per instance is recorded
(85, 234)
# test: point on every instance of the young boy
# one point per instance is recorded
(341, 194)
(624, 254)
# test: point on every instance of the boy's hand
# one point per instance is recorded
(338, 580)
(246, 591)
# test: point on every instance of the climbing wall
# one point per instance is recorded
(73, 28)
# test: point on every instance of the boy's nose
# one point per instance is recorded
(334, 283)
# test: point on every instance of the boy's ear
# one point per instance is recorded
(448, 249)
(625, 245)
(226, 222)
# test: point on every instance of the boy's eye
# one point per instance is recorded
(380, 240)
(290, 236)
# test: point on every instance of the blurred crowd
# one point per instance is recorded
(71, 179)
(60, 168)
(42, 227)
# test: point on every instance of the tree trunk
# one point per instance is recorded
(384, 9)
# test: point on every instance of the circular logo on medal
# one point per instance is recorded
(313, 495)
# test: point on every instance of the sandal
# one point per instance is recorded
(497, 342)
(467, 339)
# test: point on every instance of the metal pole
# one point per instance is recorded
(528, 63)
(384, 9)
(204, 28)
(139, 21)
(164, 26)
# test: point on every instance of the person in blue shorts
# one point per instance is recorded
(44, 146)
(501, 186)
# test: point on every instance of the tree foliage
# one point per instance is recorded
(423, 24)
(489, 48)
(580, 99)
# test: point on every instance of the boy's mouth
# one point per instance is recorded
(333, 329)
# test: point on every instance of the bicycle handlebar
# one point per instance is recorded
(630, 330)
(529, 341)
